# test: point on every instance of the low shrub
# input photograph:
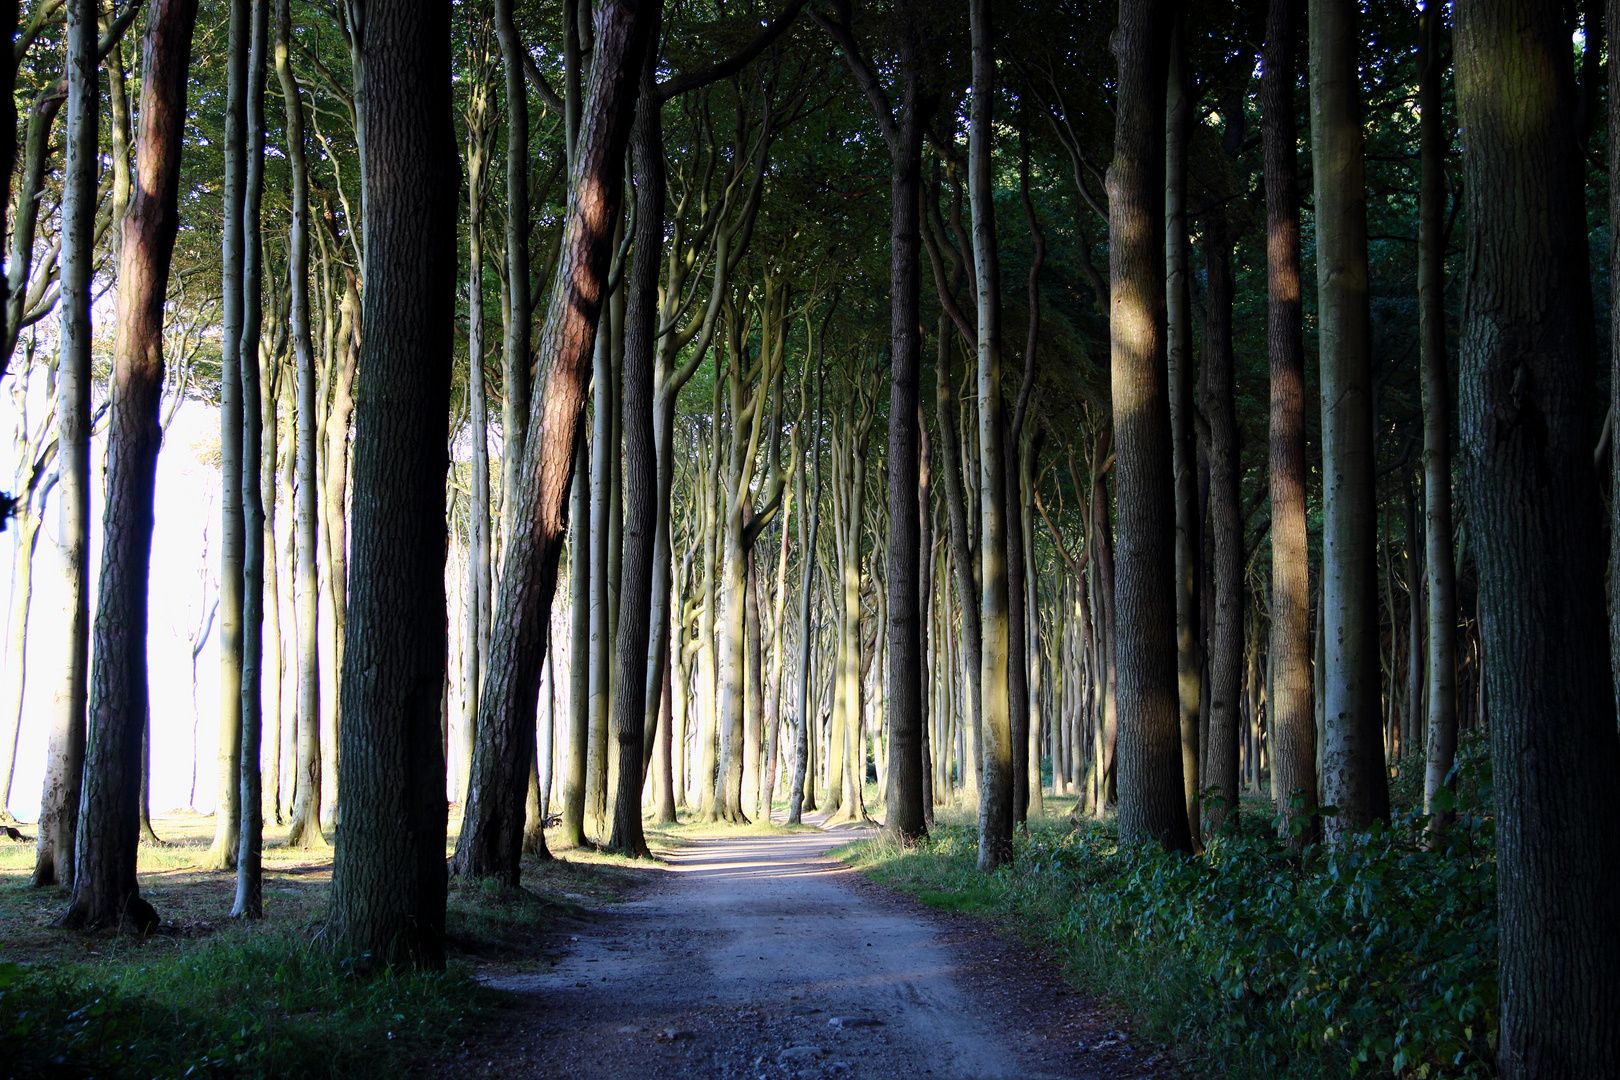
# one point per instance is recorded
(271, 1006)
(1375, 956)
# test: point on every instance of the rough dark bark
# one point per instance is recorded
(1527, 368)
(105, 893)
(1353, 776)
(388, 875)
(1151, 800)
(491, 836)
(1292, 712)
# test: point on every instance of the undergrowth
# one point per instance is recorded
(1375, 957)
(273, 1005)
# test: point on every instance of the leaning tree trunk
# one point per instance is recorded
(388, 876)
(256, 538)
(227, 823)
(1143, 642)
(491, 837)
(105, 893)
(1353, 776)
(1525, 395)
(515, 400)
(1292, 713)
(996, 798)
(56, 858)
(1226, 519)
(306, 818)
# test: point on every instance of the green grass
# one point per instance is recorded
(209, 996)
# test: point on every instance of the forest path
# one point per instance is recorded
(759, 956)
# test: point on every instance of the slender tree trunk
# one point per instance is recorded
(1293, 720)
(1178, 349)
(579, 582)
(906, 808)
(257, 537)
(490, 843)
(1152, 801)
(227, 823)
(641, 479)
(8, 142)
(306, 821)
(1226, 519)
(946, 414)
(1107, 732)
(809, 528)
(996, 798)
(925, 582)
(105, 893)
(516, 400)
(56, 859)
(1440, 566)
(1353, 776)
(1527, 368)
(475, 633)
(22, 590)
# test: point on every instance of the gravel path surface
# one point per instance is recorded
(757, 956)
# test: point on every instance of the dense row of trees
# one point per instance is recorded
(643, 547)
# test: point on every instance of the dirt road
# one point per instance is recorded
(757, 956)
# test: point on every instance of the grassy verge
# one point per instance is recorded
(211, 996)
(1376, 958)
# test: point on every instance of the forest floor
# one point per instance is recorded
(759, 955)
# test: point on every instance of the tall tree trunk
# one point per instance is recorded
(906, 807)
(996, 799)
(227, 823)
(925, 582)
(306, 820)
(946, 414)
(579, 584)
(1440, 566)
(1353, 776)
(490, 843)
(641, 479)
(8, 140)
(388, 876)
(1226, 520)
(56, 859)
(809, 527)
(1527, 369)
(257, 538)
(515, 401)
(105, 893)
(1184, 466)
(1152, 802)
(1292, 715)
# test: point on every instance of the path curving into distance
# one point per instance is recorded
(758, 956)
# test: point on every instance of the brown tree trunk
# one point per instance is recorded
(1292, 712)
(105, 893)
(1527, 369)
(1151, 799)
(388, 876)
(1226, 518)
(491, 837)
(641, 473)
